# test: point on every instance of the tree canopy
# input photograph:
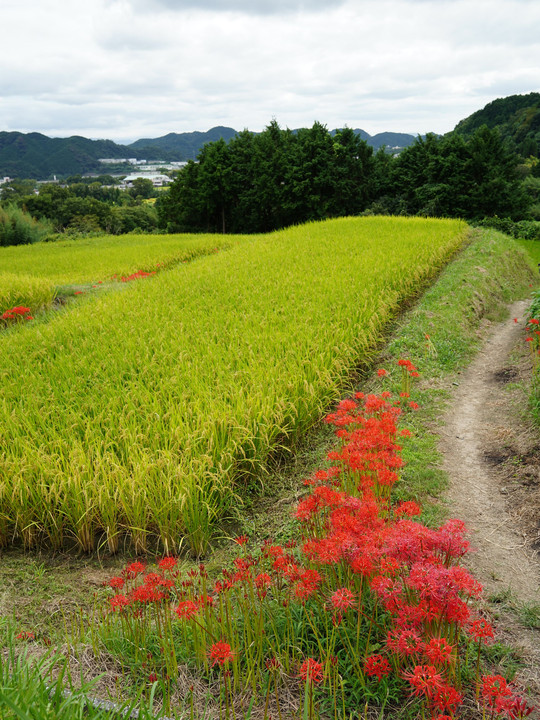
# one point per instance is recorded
(259, 183)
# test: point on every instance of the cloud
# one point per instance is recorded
(142, 68)
(248, 7)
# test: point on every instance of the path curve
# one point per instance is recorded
(478, 415)
(502, 558)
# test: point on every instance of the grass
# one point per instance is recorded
(38, 688)
(532, 247)
(150, 406)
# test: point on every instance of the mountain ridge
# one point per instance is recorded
(38, 156)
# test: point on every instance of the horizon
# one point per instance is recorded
(187, 132)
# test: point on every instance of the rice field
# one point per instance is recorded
(86, 260)
(136, 414)
(21, 289)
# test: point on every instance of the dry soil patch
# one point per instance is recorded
(491, 457)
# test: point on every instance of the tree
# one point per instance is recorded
(142, 188)
(354, 181)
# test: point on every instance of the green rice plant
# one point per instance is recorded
(37, 293)
(98, 259)
(163, 399)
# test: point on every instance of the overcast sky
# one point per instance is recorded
(128, 69)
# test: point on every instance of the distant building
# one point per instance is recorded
(157, 179)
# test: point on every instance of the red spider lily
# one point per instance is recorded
(409, 508)
(262, 582)
(117, 582)
(377, 666)
(425, 680)
(152, 579)
(273, 551)
(438, 651)
(146, 594)
(152, 678)
(388, 591)
(241, 539)
(221, 653)
(17, 312)
(381, 372)
(272, 664)
(137, 275)
(480, 630)
(311, 671)
(134, 569)
(187, 609)
(25, 635)
(495, 691)
(119, 602)
(167, 563)
(405, 642)
(517, 708)
(342, 599)
(446, 698)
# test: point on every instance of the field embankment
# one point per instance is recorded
(137, 411)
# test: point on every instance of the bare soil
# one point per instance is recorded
(491, 455)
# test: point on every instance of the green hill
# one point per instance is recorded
(517, 118)
(34, 155)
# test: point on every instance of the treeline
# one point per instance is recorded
(78, 207)
(262, 182)
(277, 178)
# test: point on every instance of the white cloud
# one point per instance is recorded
(131, 68)
(249, 7)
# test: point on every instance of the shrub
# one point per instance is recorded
(524, 229)
(19, 228)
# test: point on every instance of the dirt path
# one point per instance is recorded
(492, 489)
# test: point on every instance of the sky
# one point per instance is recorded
(130, 69)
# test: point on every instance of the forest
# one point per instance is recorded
(259, 183)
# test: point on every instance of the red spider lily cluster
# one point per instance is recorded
(137, 275)
(17, 313)
(365, 575)
(533, 340)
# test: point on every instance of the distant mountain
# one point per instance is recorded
(34, 155)
(517, 118)
(392, 141)
(37, 156)
(181, 146)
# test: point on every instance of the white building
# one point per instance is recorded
(157, 179)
